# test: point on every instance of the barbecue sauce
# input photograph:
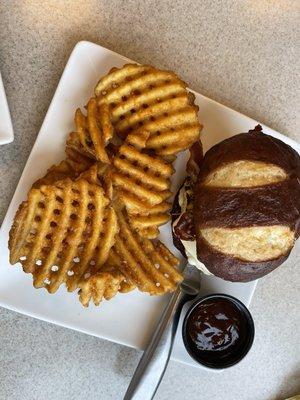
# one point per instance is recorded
(216, 330)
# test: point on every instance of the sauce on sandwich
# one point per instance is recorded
(184, 228)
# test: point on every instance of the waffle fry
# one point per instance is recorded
(77, 157)
(146, 222)
(56, 173)
(97, 174)
(143, 97)
(101, 285)
(100, 174)
(105, 283)
(94, 130)
(60, 230)
(143, 185)
(142, 180)
(147, 264)
(73, 142)
(77, 161)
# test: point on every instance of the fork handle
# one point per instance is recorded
(154, 361)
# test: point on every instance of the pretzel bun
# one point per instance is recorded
(247, 206)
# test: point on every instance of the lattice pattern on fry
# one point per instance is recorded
(143, 97)
(140, 177)
(147, 264)
(147, 221)
(143, 182)
(101, 285)
(95, 130)
(105, 283)
(100, 240)
(60, 230)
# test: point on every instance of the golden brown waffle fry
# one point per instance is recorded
(77, 157)
(143, 185)
(105, 283)
(132, 201)
(60, 231)
(101, 285)
(95, 130)
(140, 178)
(100, 174)
(117, 75)
(73, 142)
(78, 160)
(97, 174)
(143, 97)
(56, 173)
(147, 264)
(99, 247)
(146, 221)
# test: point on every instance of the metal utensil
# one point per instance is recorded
(154, 361)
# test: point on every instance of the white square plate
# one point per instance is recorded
(6, 129)
(127, 319)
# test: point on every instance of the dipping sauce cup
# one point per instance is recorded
(218, 331)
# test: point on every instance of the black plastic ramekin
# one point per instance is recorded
(239, 351)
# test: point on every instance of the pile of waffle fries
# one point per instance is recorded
(93, 220)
